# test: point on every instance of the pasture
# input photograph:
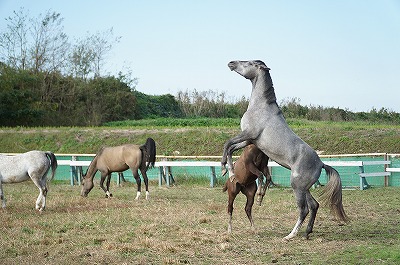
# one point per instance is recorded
(187, 224)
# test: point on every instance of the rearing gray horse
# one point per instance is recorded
(264, 125)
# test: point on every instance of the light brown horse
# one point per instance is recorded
(118, 159)
(251, 165)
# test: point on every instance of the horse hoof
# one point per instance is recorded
(287, 238)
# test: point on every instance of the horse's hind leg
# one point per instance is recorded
(250, 192)
(108, 193)
(41, 185)
(146, 182)
(303, 211)
(313, 205)
(3, 200)
(233, 190)
(44, 196)
(138, 182)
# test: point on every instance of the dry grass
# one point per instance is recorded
(187, 224)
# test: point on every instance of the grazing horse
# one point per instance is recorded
(34, 165)
(118, 159)
(264, 125)
(251, 165)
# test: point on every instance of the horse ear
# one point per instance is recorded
(261, 65)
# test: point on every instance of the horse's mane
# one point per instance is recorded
(94, 160)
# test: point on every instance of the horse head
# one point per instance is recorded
(248, 69)
(87, 186)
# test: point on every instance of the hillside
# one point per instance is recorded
(197, 137)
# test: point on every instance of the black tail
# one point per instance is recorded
(53, 163)
(149, 152)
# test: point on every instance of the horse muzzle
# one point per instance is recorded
(232, 65)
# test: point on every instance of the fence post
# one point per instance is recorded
(385, 157)
(160, 176)
(363, 181)
(73, 171)
(213, 177)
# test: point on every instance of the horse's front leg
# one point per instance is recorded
(261, 189)
(227, 149)
(240, 141)
(102, 179)
(146, 182)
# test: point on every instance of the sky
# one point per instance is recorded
(342, 53)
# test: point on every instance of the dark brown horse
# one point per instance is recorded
(251, 165)
(118, 159)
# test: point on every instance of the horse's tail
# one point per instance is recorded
(53, 163)
(150, 149)
(332, 194)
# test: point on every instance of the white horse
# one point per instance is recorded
(263, 124)
(34, 165)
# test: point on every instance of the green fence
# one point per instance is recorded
(280, 175)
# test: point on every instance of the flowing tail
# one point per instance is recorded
(149, 151)
(53, 163)
(332, 194)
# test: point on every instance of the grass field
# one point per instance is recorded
(187, 223)
(200, 136)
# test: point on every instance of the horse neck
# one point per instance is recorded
(263, 88)
(92, 169)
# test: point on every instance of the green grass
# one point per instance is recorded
(177, 122)
(186, 224)
(197, 136)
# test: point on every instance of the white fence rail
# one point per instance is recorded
(165, 171)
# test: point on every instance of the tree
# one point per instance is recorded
(14, 41)
(89, 54)
(50, 47)
(82, 57)
(41, 45)
(107, 99)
